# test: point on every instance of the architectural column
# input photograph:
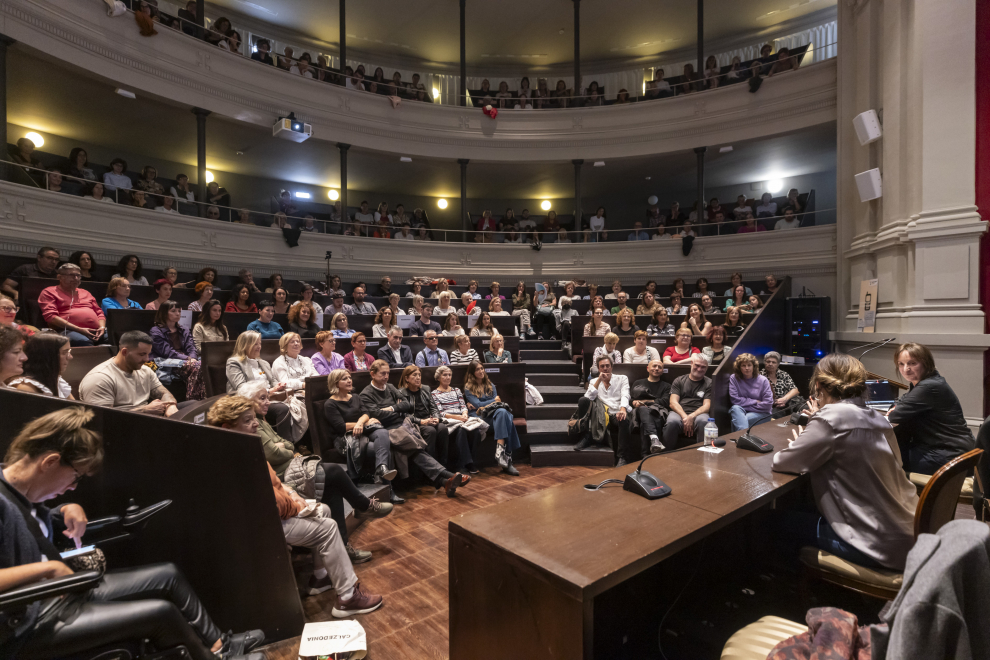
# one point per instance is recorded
(343, 178)
(4, 43)
(578, 210)
(700, 151)
(465, 225)
(462, 97)
(201, 12)
(343, 37)
(201, 116)
(701, 38)
(577, 48)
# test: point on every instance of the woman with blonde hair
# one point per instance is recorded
(496, 352)
(384, 320)
(291, 367)
(338, 325)
(607, 350)
(495, 307)
(302, 320)
(749, 393)
(442, 285)
(345, 418)
(417, 306)
(245, 365)
(445, 308)
(483, 401)
(463, 353)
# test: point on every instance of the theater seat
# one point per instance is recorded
(755, 641)
(965, 496)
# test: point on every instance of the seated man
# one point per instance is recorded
(622, 298)
(72, 311)
(125, 382)
(154, 602)
(637, 234)
(690, 402)
(316, 531)
(246, 277)
(431, 356)
(651, 406)
(43, 267)
(609, 393)
(398, 355)
(360, 306)
(419, 327)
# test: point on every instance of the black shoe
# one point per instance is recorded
(396, 499)
(383, 474)
(472, 468)
(622, 462)
(241, 643)
(511, 470)
(455, 481)
(656, 446)
(585, 443)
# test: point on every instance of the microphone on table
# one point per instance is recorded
(753, 442)
(644, 483)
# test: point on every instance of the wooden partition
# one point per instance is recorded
(222, 529)
(120, 321)
(84, 358)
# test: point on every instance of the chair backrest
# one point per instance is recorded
(937, 504)
(84, 359)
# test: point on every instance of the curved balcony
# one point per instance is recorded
(173, 66)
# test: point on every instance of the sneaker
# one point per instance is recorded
(472, 468)
(358, 603)
(586, 442)
(383, 474)
(375, 510)
(655, 445)
(501, 456)
(457, 480)
(511, 470)
(356, 556)
(318, 586)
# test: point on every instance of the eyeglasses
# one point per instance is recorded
(9, 310)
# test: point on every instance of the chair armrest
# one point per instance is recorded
(94, 525)
(16, 599)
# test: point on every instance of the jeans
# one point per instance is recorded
(674, 427)
(150, 602)
(811, 529)
(544, 325)
(79, 339)
(322, 535)
(523, 315)
(743, 420)
(923, 459)
(337, 488)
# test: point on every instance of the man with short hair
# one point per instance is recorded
(717, 226)
(526, 223)
(336, 305)
(360, 306)
(690, 402)
(611, 391)
(262, 54)
(419, 327)
(616, 289)
(42, 268)
(397, 354)
(404, 234)
(126, 382)
(788, 221)
(190, 24)
(622, 297)
(637, 234)
(651, 406)
(432, 356)
(364, 215)
(385, 287)
(247, 277)
(72, 311)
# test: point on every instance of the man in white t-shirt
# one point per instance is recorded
(364, 214)
(789, 221)
(742, 208)
(125, 382)
(526, 222)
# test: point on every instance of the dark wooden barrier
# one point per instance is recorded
(222, 528)
(120, 321)
(84, 358)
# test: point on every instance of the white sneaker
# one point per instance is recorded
(501, 456)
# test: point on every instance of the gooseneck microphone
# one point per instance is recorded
(644, 483)
(874, 346)
(752, 442)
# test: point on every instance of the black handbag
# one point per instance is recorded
(489, 410)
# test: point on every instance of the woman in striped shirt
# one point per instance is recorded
(463, 353)
(454, 410)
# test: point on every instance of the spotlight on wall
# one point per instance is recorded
(870, 185)
(209, 176)
(333, 194)
(37, 139)
(867, 126)
(775, 185)
(545, 205)
(302, 195)
(442, 203)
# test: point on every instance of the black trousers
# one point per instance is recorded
(152, 602)
(280, 418)
(647, 426)
(544, 325)
(337, 488)
(437, 441)
(464, 444)
(626, 448)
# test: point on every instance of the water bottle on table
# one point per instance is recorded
(711, 432)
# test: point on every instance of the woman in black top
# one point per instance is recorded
(626, 326)
(928, 419)
(301, 320)
(426, 414)
(343, 413)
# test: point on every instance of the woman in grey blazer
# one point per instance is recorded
(246, 365)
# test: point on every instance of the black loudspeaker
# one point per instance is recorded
(809, 320)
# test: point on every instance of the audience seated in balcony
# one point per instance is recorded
(789, 221)
(304, 67)
(164, 290)
(325, 359)
(208, 326)
(262, 54)
(23, 153)
(55, 183)
(733, 322)
(79, 164)
(637, 234)
(126, 382)
(164, 204)
(72, 311)
(95, 191)
(48, 357)
(147, 182)
(264, 325)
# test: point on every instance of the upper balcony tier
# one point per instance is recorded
(180, 69)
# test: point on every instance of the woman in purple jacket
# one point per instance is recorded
(749, 392)
(170, 341)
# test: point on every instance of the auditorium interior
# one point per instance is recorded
(243, 420)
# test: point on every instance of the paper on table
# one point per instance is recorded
(712, 450)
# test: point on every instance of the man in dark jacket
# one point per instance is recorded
(650, 399)
(388, 352)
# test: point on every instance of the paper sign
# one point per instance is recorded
(712, 450)
(486, 341)
(473, 320)
(200, 418)
(186, 320)
(867, 320)
(405, 320)
(658, 341)
(372, 343)
(491, 370)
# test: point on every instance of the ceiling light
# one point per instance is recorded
(125, 93)
(648, 178)
(725, 150)
(545, 205)
(209, 176)
(442, 203)
(775, 185)
(302, 195)
(599, 163)
(333, 194)
(37, 139)
(405, 159)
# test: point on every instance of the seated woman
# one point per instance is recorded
(207, 274)
(609, 350)
(463, 353)
(424, 413)
(444, 308)
(305, 296)
(749, 393)
(483, 401)
(660, 327)
(496, 350)
(682, 348)
(117, 296)
(716, 349)
(696, 321)
(164, 290)
(596, 327)
(495, 307)
(707, 306)
(358, 359)
(264, 325)
(281, 299)
(737, 298)
(442, 285)
(50, 456)
(626, 323)
(929, 423)
(493, 289)
(675, 304)
(302, 320)
(393, 304)
(12, 356)
(274, 283)
(48, 355)
(86, 264)
(451, 326)
(335, 286)
(866, 505)
(733, 322)
(453, 411)
(470, 306)
(640, 353)
(544, 322)
(781, 384)
(245, 365)
(702, 284)
(240, 300)
(204, 291)
(415, 289)
(338, 325)
(753, 304)
(8, 312)
(291, 367)
(648, 306)
(170, 341)
(484, 327)
(597, 302)
(417, 306)
(384, 320)
(208, 326)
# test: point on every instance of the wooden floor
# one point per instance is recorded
(410, 564)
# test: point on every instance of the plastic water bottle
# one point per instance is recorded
(711, 432)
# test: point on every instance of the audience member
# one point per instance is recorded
(48, 357)
(463, 353)
(12, 355)
(496, 352)
(147, 183)
(622, 298)
(345, 417)
(452, 326)
(97, 192)
(616, 289)
(208, 326)
(126, 382)
(302, 321)
(649, 306)
(639, 352)
(484, 327)
(707, 306)
(767, 207)
(544, 320)
(444, 308)
(357, 359)
(395, 353)
(637, 234)
(280, 298)
(264, 325)
(682, 348)
(753, 305)
(788, 221)
(625, 325)
(696, 321)
(733, 322)
(606, 402)
(453, 411)
(118, 291)
(742, 209)
(336, 305)
(737, 297)
(483, 402)
(325, 359)
(419, 327)
(716, 350)
(72, 311)
(23, 153)
(495, 307)
(164, 290)
(431, 355)
(771, 285)
(291, 367)
(425, 414)
(660, 326)
(8, 312)
(650, 400)
(781, 384)
(360, 306)
(384, 321)
(690, 399)
(170, 341)
(749, 393)
(736, 281)
(675, 304)
(245, 365)
(240, 300)
(44, 267)
(262, 52)
(596, 327)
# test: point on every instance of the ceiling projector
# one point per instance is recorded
(290, 128)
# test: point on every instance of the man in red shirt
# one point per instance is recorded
(72, 311)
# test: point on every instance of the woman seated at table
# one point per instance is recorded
(358, 359)
(264, 325)
(781, 383)
(164, 290)
(452, 326)
(384, 320)
(749, 393)
(291, 367)
(281, 299)
(484, 327)
(696, 321)
(716, 349)
(625, 323)
(240, 300)
(48, 356)
(338, 325)
(640, 353)
(204, 293)
(302, 320)
(738, 298)
(661, 326)
(929, 423)
(170, 341)
(866, 505)
(454, 412)
(245, 365)
(496, 350)
(117, 296)
(682, 348)
(208, 326)
(463, 353)
(483, 401)
(325, 360)
(733, 322)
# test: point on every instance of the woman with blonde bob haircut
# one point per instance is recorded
(291, 367)
(244, 365)
(866, 505)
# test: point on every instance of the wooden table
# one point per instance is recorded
(524, 574)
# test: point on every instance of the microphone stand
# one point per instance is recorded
(644, 483)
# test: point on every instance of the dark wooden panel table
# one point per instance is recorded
(524, 574)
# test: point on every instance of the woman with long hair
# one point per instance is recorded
(696, 321)
(129, 267)
(118, 291)
(208, 326)
(544, 321)
(245, 365)
(753, 304)
(417, 306)
(240, 300)
(483, 401)
(48, 356)
(649, 305)
(596, 327)
(484, 327)
(302, 321)
(335, 286)
(86, 264)
(384, 320)
(170, 341)
(424, 413)
(452, 326)
(521, 306)
(702, 288)
(453, 411)
(281, 300)
(661, 325)
(164, 290)
(733, 322)
(738, 297)
(706, 304)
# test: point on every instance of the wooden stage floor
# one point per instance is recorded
(410, 564)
